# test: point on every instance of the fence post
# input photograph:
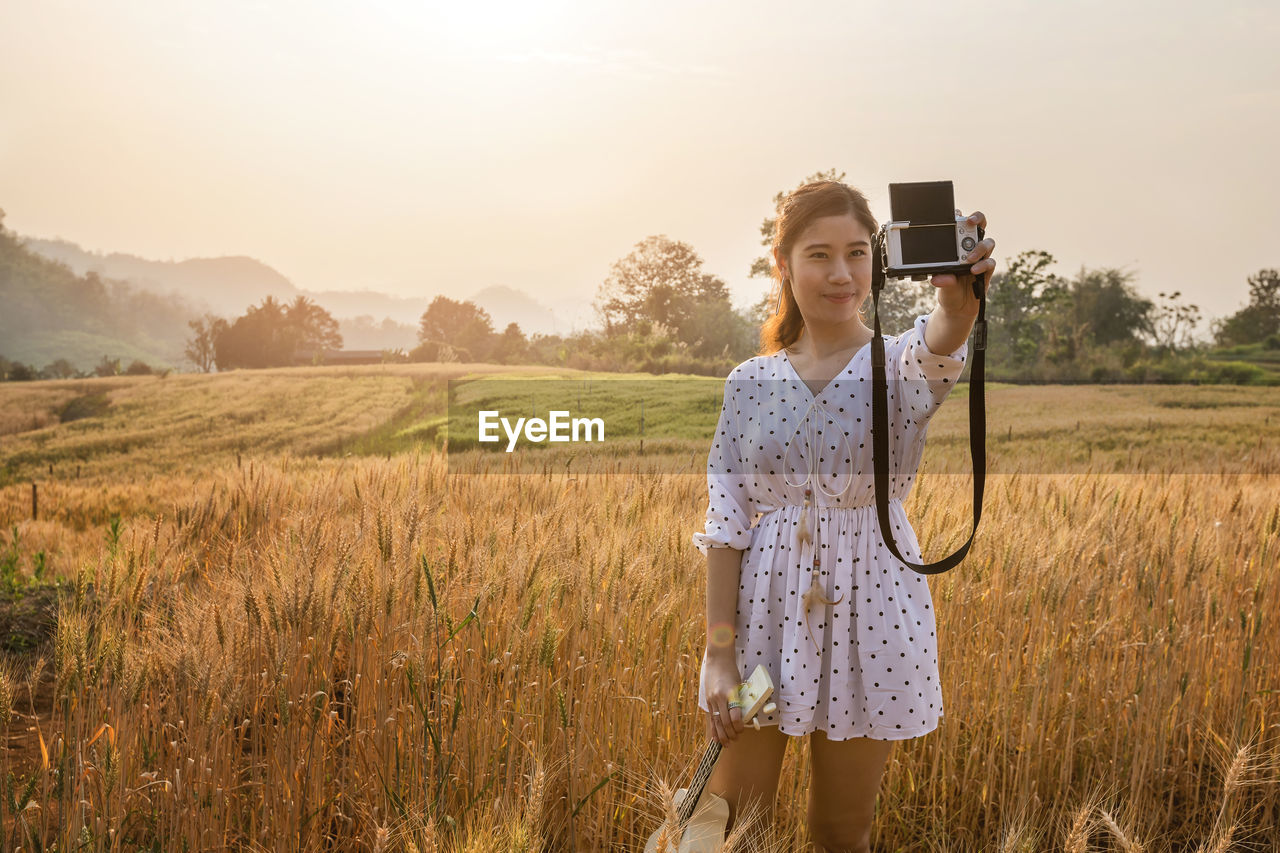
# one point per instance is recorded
(35, 502)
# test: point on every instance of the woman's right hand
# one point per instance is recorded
(722, 680)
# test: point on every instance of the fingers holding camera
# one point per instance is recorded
(983, 250)
(981, 253)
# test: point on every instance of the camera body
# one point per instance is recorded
(925, 236)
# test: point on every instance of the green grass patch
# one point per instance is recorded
(1258, 352)
(666, 408)
(420, 423)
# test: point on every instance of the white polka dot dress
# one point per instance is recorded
(867, 665)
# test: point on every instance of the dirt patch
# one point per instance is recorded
(27, 619)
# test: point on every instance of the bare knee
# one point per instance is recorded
(840, 836)
(848, 831)
(839, 843)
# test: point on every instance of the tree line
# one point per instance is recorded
(661, 312)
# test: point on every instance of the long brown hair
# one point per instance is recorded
(805, 204)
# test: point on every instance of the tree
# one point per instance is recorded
(1259, 319)
(200, 346)
(1172, 323)
(512, 347)
(310, 326)
(462, 325)
(659, 281)
(107, 367)
(138, 368)
(259, 338)
(271, 334)
(1105, 302)
(59, 369)
(1018, 299)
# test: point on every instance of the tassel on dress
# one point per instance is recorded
(815, 594)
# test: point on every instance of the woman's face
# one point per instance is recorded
(830, 270)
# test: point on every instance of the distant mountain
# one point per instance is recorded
(229, 285)
(51, 313)
(506, 305)
(225, 286)
(370, 303)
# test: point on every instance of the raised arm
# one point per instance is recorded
(952, 321)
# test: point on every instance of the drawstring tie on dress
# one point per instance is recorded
(815, 594)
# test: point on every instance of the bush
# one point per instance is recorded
(439, 351)
(1233, 373)
(107, 367)
(138, 368)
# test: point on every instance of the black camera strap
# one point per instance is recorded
(880, 427)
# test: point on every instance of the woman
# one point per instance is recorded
(810, 591)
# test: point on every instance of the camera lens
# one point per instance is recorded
(968, 244)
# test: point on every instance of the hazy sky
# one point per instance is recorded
(423, 148)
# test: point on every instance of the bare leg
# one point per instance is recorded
(842, 791)
(748, 770)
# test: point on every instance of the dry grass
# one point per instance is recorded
(372, 654)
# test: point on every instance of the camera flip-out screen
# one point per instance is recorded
(923, 203)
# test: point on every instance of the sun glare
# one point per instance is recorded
(504, 26)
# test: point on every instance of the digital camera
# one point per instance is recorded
(925, 235)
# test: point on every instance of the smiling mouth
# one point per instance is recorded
(839, 297)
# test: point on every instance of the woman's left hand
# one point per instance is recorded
(955, 294)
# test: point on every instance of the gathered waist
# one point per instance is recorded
(837, 507)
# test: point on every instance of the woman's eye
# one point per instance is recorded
(818, 255)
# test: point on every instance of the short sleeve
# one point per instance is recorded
(728, 523)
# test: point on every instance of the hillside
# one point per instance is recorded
(228, 285)
(51, 312)
(225, 286)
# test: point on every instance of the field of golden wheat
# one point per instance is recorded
(284, 625)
